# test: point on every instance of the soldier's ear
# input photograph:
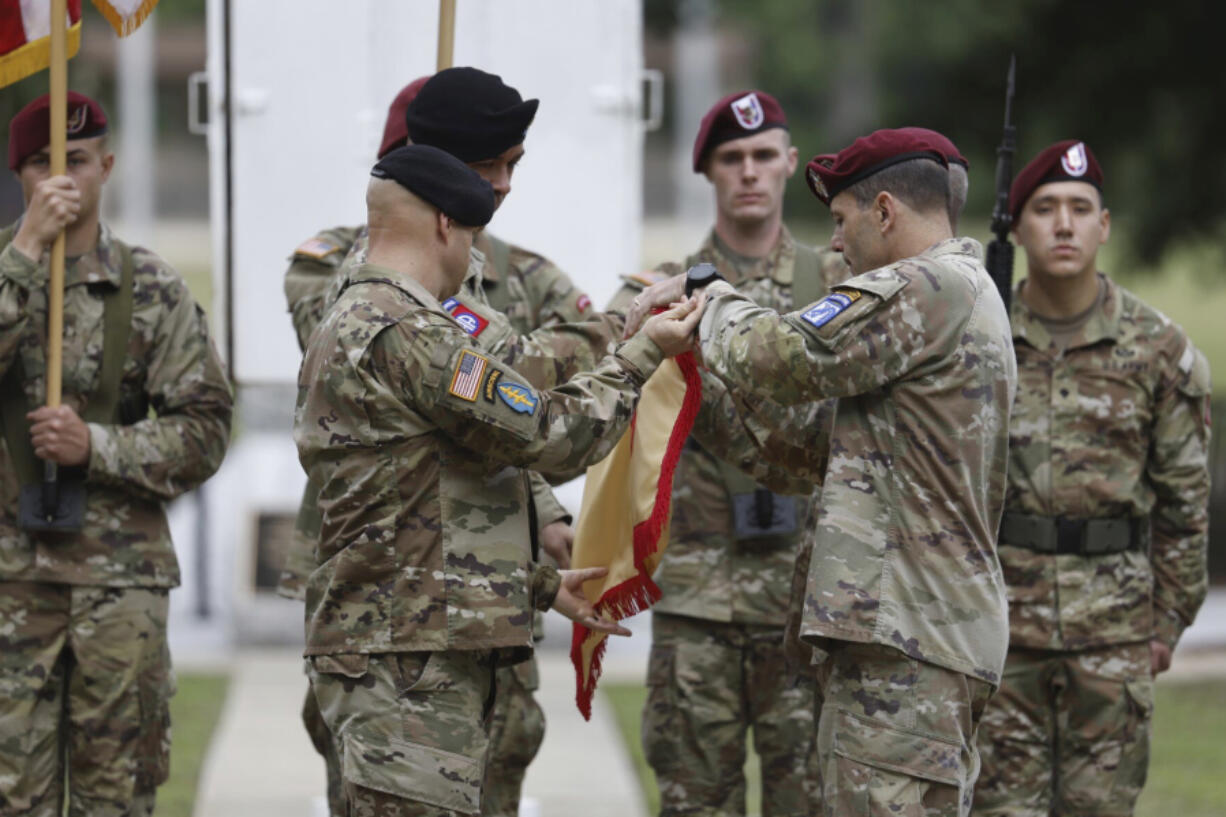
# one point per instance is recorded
(884, 209)
(1105, 221)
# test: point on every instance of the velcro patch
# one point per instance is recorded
(519, 397)
(825, 310)
(583, 303)
(466, 381)
(647, 277)
(316, 248)
(473, 323)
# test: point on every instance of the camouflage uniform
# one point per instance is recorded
(904, 570)
(532, 293)
(436, 560)
(1114, 427)
(83, 615)
(717, 663)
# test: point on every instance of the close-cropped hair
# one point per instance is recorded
(959, 188)
(921, 184)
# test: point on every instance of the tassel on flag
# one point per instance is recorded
(623, 523)
(25, 37)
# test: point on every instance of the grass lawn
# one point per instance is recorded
(1185, 773)
(194, 712)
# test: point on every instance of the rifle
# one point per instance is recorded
(1000, 251)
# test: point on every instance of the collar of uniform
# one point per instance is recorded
(778, 263)
(958, 245)
(1103, 323)
(408, 284)
(102, 264)
(482, 245)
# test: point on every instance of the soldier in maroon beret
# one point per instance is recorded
(84, 663)
(707, 625)
(904, 601)
(1105, 532)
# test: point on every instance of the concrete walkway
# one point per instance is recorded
(261, 763)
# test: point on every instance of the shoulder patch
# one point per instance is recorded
(582, 303)
(519, 397)
(491, 385)
(647, 277)
(828, 308)
(472, 323)
(466, 380)
(316, 248)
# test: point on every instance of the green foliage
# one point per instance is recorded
(194, 712)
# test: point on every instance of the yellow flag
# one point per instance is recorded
(623, 522)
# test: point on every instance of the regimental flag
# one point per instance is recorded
(25, 31)
(25, 37)
(627, 498)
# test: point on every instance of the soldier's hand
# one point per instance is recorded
(572, 603)
(557, 538)
(54, 205)
(673, 330)
(59, 435)
(655, 296)
(1159, 656)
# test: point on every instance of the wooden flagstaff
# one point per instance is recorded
(446, 34)
(58, 70)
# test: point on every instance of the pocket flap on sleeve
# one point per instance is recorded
(884, 747)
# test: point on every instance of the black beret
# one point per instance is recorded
(441, 179)
(470, 114)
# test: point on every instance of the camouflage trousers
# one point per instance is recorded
(1067, 734)
(516, 728)
(896, 736)
(85, 687)
(411, 729)
(708, 683)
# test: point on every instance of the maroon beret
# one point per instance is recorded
(831, 174)
(945, 144)
(1067, 161)
(734, 117)
(395, 129)
(30, 129)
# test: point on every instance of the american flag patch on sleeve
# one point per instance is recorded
(466, 382)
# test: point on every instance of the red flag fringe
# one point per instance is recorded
(639, 592)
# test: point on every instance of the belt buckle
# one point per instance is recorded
(1070, 535)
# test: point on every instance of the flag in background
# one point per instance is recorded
(25, 31)
(623, 522)
(25, 37)
(125, 16)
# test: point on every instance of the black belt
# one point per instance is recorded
(1063, 535)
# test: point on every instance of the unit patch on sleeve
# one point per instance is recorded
(520, 398)
(466, 382)
(829, 307)
(583, 303)
(316, 248)
(473, 323)
(491, 384)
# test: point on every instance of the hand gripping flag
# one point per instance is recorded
(25, 37)
(25, 31)
(623, 523)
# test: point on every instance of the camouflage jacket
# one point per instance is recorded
(171, 368)
(528, 288)
(417, 438)
(920, 358)
(1116, 425)
(314, 280)
(719, 566)
(312, 269)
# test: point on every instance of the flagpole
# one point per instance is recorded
(59, 131)
(446, 33)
